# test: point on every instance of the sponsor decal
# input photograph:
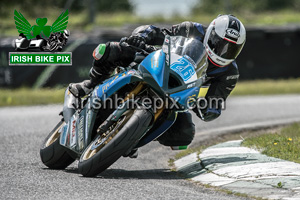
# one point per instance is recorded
(154, 62)
(232, 33)
(131, 72)
(165, 46)
(167, 58)
(64, 132)
(73, 133)
(232, 77)
(80, 133)
(222, 61)
(88, 123)
(191, 85)
(110, 82)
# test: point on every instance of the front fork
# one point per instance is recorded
(70, 103)
(117, 113)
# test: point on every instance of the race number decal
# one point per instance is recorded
(185, 69)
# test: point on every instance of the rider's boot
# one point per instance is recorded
(81, 89)
(101, 70)
(106, 58)
(97, 76)
(133, 154)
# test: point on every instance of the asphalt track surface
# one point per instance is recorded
(23, 176)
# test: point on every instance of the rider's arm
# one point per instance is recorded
(220, 88)
(151, 34)
(155, 36)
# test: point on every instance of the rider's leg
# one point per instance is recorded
(181, 133)
(106, 58)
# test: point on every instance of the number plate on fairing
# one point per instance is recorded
(183, 68)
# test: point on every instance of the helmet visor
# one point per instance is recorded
(222, 47)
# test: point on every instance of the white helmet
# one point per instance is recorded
(224, 39)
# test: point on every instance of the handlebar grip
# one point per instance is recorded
(146, 50)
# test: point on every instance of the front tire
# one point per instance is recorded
(53, 155)
(110, 146)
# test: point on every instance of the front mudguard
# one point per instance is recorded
(77, 133)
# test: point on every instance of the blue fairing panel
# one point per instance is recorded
(111, 85)
(185, 96)
(155, 64)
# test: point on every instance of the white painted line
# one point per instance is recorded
(260, 169)
(186, 160)
(212, 152)
(233, 142)
(213, 179)
(269, 177)
(295, 197)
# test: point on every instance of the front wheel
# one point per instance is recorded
(53, 155)
(115, 142)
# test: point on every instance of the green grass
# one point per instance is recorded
(283, 17)
(267, 87)
(283, 144)
(25, 96)
(188, 151)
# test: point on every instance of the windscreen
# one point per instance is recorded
(190, 48)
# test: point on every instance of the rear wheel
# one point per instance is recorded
(115, 142)
(53, 155)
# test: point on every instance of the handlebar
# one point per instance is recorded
(146, 51)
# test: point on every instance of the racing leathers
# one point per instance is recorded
(222, 80)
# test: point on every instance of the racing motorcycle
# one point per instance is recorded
(98, 135)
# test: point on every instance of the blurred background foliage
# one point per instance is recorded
(34, 8)
(245, 6)
(90, 16)
(86, 14)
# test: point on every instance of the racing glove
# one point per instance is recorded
(211, 114)
(136, 41)
(208, 114)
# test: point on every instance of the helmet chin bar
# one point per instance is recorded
(214, 62)
(217, 60)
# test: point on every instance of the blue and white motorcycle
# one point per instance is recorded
(99, 135)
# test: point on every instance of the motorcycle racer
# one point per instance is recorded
(223, 39)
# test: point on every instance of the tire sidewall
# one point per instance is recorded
(130, 133)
